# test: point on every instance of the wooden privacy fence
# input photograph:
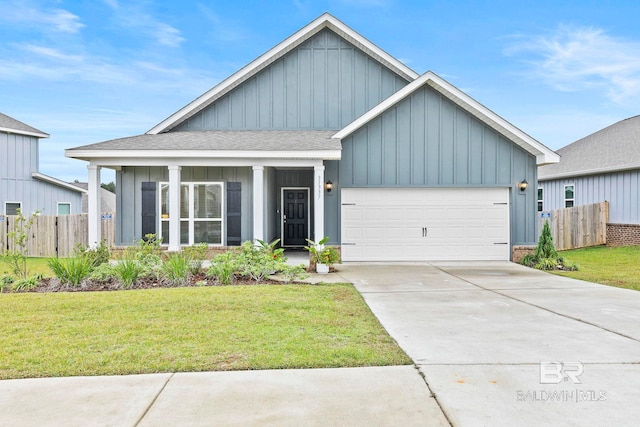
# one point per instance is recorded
(52, 236)
(577, 227)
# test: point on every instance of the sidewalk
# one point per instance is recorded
(373, 396)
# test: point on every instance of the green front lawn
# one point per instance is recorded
(190, 329)
(34, 265)
(614, 266)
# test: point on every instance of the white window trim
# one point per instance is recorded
(191, 218)
(564, 195)
(11, 202)
(62, 203)
(540, 202)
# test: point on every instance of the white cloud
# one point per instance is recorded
(580, 58)
(58, 19)
(135, 16)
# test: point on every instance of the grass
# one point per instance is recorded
(613, 266)
(190, 329)
(34, 265)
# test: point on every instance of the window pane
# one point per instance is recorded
(539, 206)
(64, 208)
(568, 204)
(164, 200)
(12, 208)
(207, 232)
(184, 201)
(539, 194)
(207, 200)
(165, 232)
(568, 192)
(184, 232)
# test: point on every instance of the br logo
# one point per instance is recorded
(557, 372)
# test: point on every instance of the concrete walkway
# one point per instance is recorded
(479, 332)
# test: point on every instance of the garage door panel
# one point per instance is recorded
(402, 224)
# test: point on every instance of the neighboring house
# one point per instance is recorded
(21, 185)
(604, 166)
(328, 135)
(107, 198)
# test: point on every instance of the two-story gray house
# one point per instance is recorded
(326, 134)
(22, 186)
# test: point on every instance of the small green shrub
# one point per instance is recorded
(150, 264)
(255, 263)
(5, 282)
(292, 273)
(196, 254)
(95, 256)
(25, 285)
(72, 271)
(127, 272)
(102, 273)
(177, 269)
(545, 256)
(223, 268)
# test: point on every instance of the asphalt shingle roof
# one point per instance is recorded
(614, 148)
(241, 140)
(7, 122)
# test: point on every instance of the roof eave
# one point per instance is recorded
(326, 20)
(56, 181)
(96, 155)
(24, 132)
(597, 171)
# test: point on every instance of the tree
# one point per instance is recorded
(109, 187)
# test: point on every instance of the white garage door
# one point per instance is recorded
(422, 224)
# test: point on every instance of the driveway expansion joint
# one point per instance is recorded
(153, 401)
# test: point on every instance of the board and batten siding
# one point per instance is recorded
(325, 83)
(129, 195)
(427, 141)
(620, 189)
(18, 160)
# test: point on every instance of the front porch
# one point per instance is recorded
(186, 204)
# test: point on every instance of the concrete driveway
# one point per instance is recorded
(501, 344)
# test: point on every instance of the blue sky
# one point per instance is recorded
(87, 71)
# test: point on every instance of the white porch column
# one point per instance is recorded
(93, 209)
(258, 202)
(174, 208)
(318, 211)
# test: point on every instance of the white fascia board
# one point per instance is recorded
(55, 181)
(24, 132)
(326, 20)
(543, 154)
(202, 162)
(597, 171)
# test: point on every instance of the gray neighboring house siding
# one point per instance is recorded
(603, 166)
(19, 159)
(427, 141)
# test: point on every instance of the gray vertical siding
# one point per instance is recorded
(325, 83)
(427, 141)
(18, 160)
(129, 193)
(620, 189)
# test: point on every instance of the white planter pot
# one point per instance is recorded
(322, 268)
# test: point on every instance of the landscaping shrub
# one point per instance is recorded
(94, 256)
(127, 272)
(292, 273)
(25, 285)
(5, 282)
(72, 271)
(16, 258)
(545, 256)
(223, 268)
(177, 269)
(197, 254)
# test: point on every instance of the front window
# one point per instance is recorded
(568, 196)
(201, 208)
(540, 200)
(11, 208)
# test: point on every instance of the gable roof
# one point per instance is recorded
(57, 182)
(11, 125)
(614, 148)
(543, 154)
(326, 20)
(216, 143)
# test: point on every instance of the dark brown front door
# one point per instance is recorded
(295, 219)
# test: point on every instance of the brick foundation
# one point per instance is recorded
(518, 252)
(623, 234)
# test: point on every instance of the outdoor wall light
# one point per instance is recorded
(523, 185)
(328, 186)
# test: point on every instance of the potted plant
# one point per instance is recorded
(323, 256)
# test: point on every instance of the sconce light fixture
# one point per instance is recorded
(328, 186)
(523, 185)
